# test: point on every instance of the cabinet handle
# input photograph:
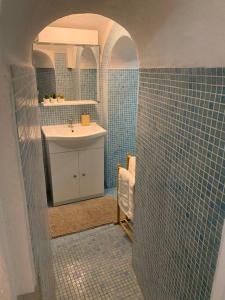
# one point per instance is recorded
(83, 174)
(74, 176)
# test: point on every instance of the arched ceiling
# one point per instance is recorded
(82, 21)
(124, 54)
(166, 32)
(87, 59)
(85, 21)
(42, 60)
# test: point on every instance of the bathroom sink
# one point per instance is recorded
(77, 131)
(72, 136)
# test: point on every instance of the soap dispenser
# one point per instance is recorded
(85, 119)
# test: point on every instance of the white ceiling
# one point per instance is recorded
(83, 21)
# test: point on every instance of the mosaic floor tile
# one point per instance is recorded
(95, 264)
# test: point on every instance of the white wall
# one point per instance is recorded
(68, 36)
(87, 59)
(85, 21)
(218, 289)
(14, 233)
(7, 286)
(191, 33)
(123, 54)
(43, 59)
(114, 33)
(167, 32)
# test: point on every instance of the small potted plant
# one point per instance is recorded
(60, 98)
(53, 98)
(46, 99)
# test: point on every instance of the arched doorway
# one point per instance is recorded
(100, 113)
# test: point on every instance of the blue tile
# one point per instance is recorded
(180, 181)
(122, 111)
(95, 264)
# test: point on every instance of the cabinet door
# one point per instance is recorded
(91, 167)
(64, 173)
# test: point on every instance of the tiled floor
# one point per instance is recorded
(95, 264)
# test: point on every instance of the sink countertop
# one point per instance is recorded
(77, 131)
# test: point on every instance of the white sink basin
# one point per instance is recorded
(77, 131)
(66, 136)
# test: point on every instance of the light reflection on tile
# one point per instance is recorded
(95, 264)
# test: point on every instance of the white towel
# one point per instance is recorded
(132, 165)
(126, 192)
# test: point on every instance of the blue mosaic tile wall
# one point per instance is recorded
(73, 83)
(66, 84)
(88, 84)
(29, 136)
(54, 115)
(180, 199)
(122, 107)
(46, 83)
(66, 79)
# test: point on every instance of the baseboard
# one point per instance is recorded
(78, 199)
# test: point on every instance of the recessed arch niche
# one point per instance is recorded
(88, 73)
(45, 73)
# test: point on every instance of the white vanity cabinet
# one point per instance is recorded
(64, 176)
(75, 161)
(91, 165)
(78, 173)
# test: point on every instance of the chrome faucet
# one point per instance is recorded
(70, 122)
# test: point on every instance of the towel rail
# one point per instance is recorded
(118, 207)
(125, 223)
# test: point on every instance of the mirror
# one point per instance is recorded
(67, 71)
